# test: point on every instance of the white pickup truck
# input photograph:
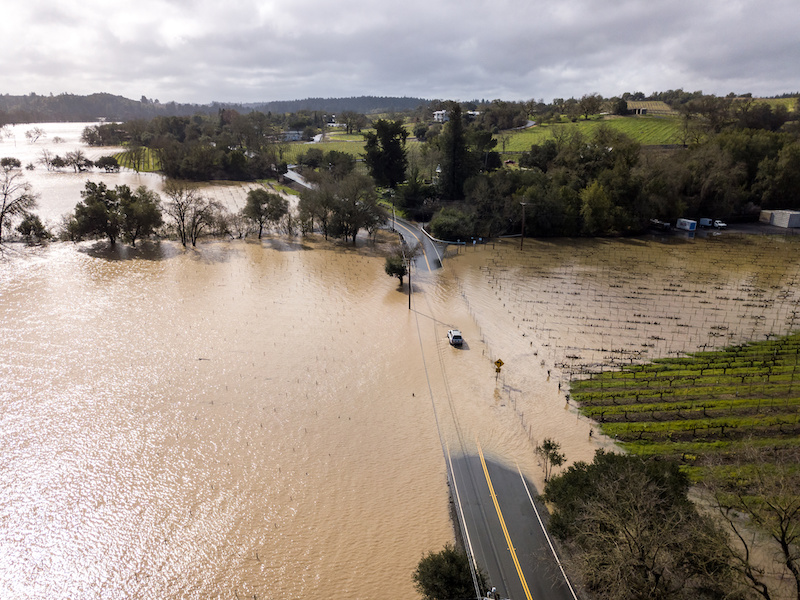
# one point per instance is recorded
(454, 337)
(715, 223)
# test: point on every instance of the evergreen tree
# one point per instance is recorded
(455, 156)
(386, 152)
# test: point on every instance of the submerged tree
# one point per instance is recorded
(551, 456)
(108, 163)
(33, 135)
(32, 228)
(190, 212)
(98, 213)
(396, 266)
(78, 161)
(113, 213)
(141, 212)
(263, 207)
(16, 196)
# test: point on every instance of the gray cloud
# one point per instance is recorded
(249, 50)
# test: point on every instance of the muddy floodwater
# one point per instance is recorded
(270, 419)
(60, 190)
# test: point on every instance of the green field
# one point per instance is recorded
(149, 162)
(703, 404)
(648, 131)
(295, 149)
(789, 103)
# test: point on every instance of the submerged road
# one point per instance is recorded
(503, 525)
(430, 256)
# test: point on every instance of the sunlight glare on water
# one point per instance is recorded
(235, 419)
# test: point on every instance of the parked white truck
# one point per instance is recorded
(715, 223)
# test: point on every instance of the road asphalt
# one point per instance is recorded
(502, 522)
(504, 529)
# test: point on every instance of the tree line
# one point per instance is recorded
(738, 157)
(120, 213)
(339, 208)
(37, 108)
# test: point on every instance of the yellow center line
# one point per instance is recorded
(503, 524)
(422, 246)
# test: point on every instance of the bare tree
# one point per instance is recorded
(634, 545)
(16, 196)
(46, 158)
(632, 533)
(761, 508)
(78, 161)
(33, 135)
(551, 456)
(190, 212)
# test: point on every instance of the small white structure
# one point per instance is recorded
(686, 224)
(781, 218)
(440, 116)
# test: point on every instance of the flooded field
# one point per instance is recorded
(269, 419)
(563, 308)
(60, 190)
(238, 420)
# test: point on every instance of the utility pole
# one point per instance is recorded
(409, 283)
(522, 239)
(407, 258)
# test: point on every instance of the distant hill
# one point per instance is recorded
(359, 104)
(34, 108)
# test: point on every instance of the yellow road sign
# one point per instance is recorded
(498, 363)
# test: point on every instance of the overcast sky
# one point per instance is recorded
(259, 50)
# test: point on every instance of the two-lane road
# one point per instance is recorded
(430, 257)
(502, 523)
(505, 530)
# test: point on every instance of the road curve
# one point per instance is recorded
(430, 258)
